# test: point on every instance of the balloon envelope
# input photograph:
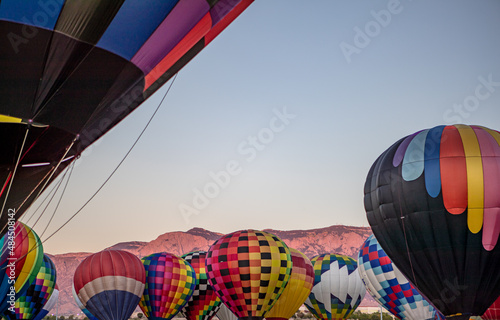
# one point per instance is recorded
(204, 303)
(338, 290)
(493, 312)
(389, 287)
(170, 283)
(71, 70)
(297, 290)
(110, 284)
(248, 270)
(20, 260)
(432, 202)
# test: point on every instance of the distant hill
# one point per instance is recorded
(339, 239)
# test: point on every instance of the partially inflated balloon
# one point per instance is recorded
(297, 290)
(493, 312)
(20, 260)
(249, 270)
(338, 290)
(80, 305)
(170, 283)
(389, 287)
(71, 70)
(432, 202)
(110, 284)
(49, 305)
(204, 303)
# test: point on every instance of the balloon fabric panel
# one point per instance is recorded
(338, 290)
(248, 270)
(170, 282)
(110, 283)
(493, 312)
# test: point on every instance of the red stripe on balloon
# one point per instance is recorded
(453, 171)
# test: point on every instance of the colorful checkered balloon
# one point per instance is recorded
(338, 289)
(204, 303)
(170, 283)
(249, 270)
(297, 290)
(389, 287)
(54, 297)
(29, 304)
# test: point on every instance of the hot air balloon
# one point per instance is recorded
(170, 283)
(493, 312)
(225, 314)
(110, 284)
(31, 303)
(297, 290)
(338, 290)
(433, 204)
(20, 260)
(249, 270)
(387, 285)
(49, 304)
(204, 303)
(80, 304)
(71, 70)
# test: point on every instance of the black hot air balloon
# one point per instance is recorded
(70, 70)
(433, 202)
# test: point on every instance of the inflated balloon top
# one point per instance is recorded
(338, 289)
(433, 204)
(249, 270)
(297, 290)
(204, 303)
(170, 283)
(461, 163)
(389, 287)
(31, 303)
(71, 70)
(110, 284)
(21, 259)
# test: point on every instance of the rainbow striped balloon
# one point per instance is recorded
(170, 283)
(20, 260)
(463, 163)
(38, 293)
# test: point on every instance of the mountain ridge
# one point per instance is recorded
(337, 239)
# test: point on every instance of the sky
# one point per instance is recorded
(277, 122)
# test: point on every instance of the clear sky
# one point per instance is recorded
(277, 122)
